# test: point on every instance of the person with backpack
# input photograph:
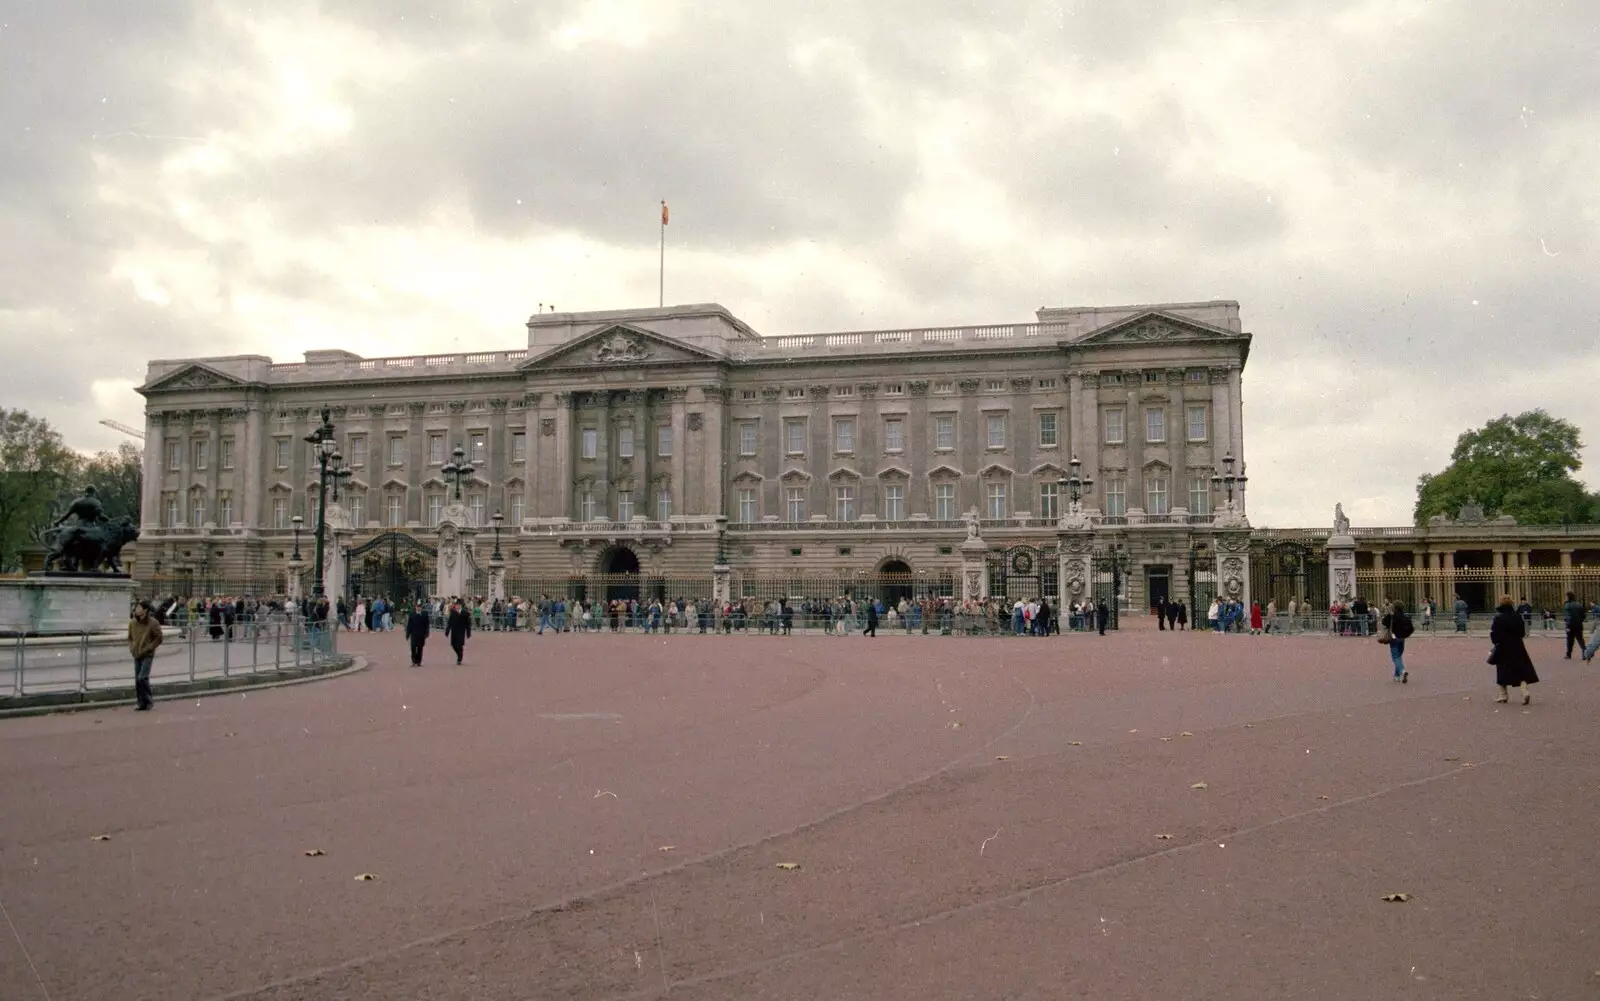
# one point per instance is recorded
(1395, 628)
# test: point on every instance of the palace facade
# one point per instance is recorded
(655, 441)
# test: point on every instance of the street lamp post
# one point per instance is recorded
(1074, 485)
(457, 469)
(321, 438)
(1228, 480)
(498, 518)
(296, 521)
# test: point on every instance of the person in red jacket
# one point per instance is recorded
(1255, 617)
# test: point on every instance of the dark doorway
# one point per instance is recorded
(1158, 585)
(621, 568)
(1475, 593)
(894, 582)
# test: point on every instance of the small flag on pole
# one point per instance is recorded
(663, 213)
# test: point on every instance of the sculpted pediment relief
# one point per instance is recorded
(1154, 325)
(192, 376)
(619, 345)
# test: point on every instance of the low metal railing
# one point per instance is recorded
(86, 662)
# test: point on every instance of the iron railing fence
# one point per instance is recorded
(1544, 588)
(87, 662)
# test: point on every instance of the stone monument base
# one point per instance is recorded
(65, 604)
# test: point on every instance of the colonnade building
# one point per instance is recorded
(640, 441)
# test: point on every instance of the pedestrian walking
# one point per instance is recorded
(1101, 613)
(417, 627)
(144, 635)
(1509, 655)
(872, 620)
(458, 627)
(1574, 614)
(1394, 629)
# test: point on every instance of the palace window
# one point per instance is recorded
(747, 505)
(1197, 423)
(586, 506)
(747, 437)
(358, 510)
(435, 510)
(1155, 492)
(796, 393)
(664, 440)
(358, 451)
(1111, 378)
(590, 442)
(894, 503)
(478, 448)
(997, 500)
(624, 505)
(994, 386)
(197, 509)
(794, 433)
(997, 431)
(1116, 496)
(844, 434)
(397, 450)
(476, 504)
(202, 453)
(1116, 432)
(1050, 500)
(1155, 425)
(663, 504)
(944, 387)
(225, 453)
(224, 507)
(519, 509)
(1151, 377)
(796, 500)
(844, 391)
(394, 510)
(944, 501)
(844, 503)
(1046, 384)
(625, 442)
(894, 435)
(894, 389)
(1047, 430)
(944, 433)
(175, 455)
(747, 394)
(280, 511)
(519, 446)
(435, 449)
(1197, 375)
(1199, 495)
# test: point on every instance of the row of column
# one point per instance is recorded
(1439, 571)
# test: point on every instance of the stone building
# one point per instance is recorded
(637, 446)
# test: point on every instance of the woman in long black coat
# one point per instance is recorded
(1512, 665)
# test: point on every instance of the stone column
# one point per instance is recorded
(497, 580)
(683, 499)
(1566, 572)
(295, 587)
(919, 455)
(454, 569)
(1236, 427)
(1341, 568)
(606, 502)
(721, 572)
(1233, 564)
(155, 459)
(1381, 591)
(1075, 565)
(499, 459)
(713, 448)
(563, 456)
(416, 462)
(1449, 577)
(974, 562)
(336, 544)
(1221, 419)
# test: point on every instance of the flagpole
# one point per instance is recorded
(661, 289)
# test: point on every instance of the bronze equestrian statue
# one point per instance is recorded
(91, 540)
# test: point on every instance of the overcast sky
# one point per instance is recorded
(1401, 194)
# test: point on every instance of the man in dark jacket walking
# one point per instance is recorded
(1102, 613)
(872, 619)
(417, 632)
(458, 627)
(1574, 612)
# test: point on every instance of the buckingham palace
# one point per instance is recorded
(627, 447)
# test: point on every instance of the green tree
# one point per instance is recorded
(35, 467)
(1521, 466)
(118, 478)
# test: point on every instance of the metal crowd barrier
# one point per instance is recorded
(85, 662)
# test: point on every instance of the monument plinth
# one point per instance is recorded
(65, 604)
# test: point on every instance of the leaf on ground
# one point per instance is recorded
(1074, 743)
(1249, 726)
(1133, 731)
(1199, 785)
(101, 837)
(1322, 797)
(366, 877)
(1163, 837)
(788, 865)
(1166, 740)
(1466, 764)
(1453, 757)
(1002, 757)
(1397, 898)
(667, 848)
(314, 852)
(956, 725)
(1186, 733)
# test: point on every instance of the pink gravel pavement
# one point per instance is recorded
(603, 817)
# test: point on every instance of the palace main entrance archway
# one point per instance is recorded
(619, 569)
(894, 582)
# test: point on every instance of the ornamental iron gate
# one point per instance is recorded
(394, 565)
(1023, 573)
(1290, 571)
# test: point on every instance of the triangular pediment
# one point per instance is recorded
(794, 474)
(1046, 469)
(1155, 326)
(893, 473)
(194, 375)
(944, 471)
(619, 345)
(996, 469)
